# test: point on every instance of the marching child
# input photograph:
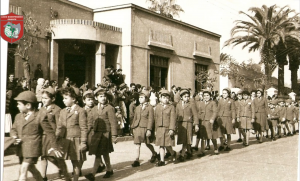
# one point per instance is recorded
(121, 121)
(245, 116)
(50, 112)
(165, 120)
(282, 119)
(186, 116)
(207, 113)
(296, 115)
(132, 108)
(290, 115)
(72, 127)
(27, 131)
(273, 118)
(104, 125)
(226, 117)
(142, 126)
(237, 124)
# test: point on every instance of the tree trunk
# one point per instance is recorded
(294, 80)
(26, 67)
(280, 78)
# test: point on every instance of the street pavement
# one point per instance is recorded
(271, 160)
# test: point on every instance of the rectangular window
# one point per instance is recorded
(200, 76)
(158, 72)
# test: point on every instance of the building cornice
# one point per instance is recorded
(77, 5)
(133, 6)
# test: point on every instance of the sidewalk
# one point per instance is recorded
(271, 160)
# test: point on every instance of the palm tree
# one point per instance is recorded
(262, 33)
(167, 8)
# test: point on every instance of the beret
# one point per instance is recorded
(165, 92)
(27, 96)
(280, 100)
(246, 92)
(274, 102)
(50, 90)
(88, 92)
(146, 93)
(228, 89)
(184, 91)
(239, 92)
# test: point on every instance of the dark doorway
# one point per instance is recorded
(158, 72)
(111, 55)
(75, 68)
(11, 59)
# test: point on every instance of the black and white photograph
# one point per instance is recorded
(135, 90)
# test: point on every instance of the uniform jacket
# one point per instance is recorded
(30, 132)
(291, 112)
(51, 114)
(72, 124)
(187, 113)
(207, 111)
(282, 112)
(132, 108)
(143, 118)
(226, 108)
(274, 113)
(177, 97)
(165, 116)
(103, 119)
(297, 113)
(260, 105)
(246, 109)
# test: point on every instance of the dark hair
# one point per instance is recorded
(51, 96)
(228, 92)
(119, 70)
(67, 78)
(112, 85)
(102, 91)
(70, 92)
(173, 86)
(33, 105)
(253, 91)
(138, 86)
(207, 93)
(262, 92)
(246, 92)
(132, 84)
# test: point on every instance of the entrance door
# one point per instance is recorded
(75, 68)
(158, 72)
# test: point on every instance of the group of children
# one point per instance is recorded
(58, 135)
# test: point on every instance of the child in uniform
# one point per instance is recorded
(27, 131)
(237, 124)
(120, 120)
(261, 109)
(290, 115)
(273, 118)
(165, 121)
(283, 124)
(72, 127)
(104, 125)
(245, 116)
(142, 126)
(186, 116)
(226, 117)
(132, 108)
(207, 113)
(294, 103)
(50, 112)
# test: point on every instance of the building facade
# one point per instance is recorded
(152, 50)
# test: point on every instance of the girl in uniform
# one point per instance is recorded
(142, 126)
(245, 116)
(261, 109)
(290, 115)
(72, 128)
(50, 112)
(165, 121)
(186, 115)
(226, 117)
(273, 118)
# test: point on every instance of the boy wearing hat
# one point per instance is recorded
(187, 117)
(165, 121)
(142, 126)
(290, 115)
(27, 131)
(282, 119)
(273, 118)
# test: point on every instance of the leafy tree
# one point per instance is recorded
(263, 32)
(167, 8)
(205, 80)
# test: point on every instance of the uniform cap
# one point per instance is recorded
(274, 102)
(146, 93)
(246, 92)
(88, 92)
(239, 92)
(100, 89)
(165, 92)
(184, 91)
(280, 100)
(228, 89)
(27, 96)
(50, 90)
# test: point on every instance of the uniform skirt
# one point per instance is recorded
(273, 122)
(261, 123)
(209, 131)
(73, 151)
(185, 132)
(101, 143)
(8, 123)
(163, 138)
(226, 125)
(139, 136)
(46, 145)
(245, 123)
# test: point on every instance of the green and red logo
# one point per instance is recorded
(12, 27)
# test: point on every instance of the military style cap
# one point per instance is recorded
(274, 102)
(228, 89)
(122, 86)
(100, 89)
(165, 92)
(146, 93)
(239, 92)
(184, 91)
(88, 92)
(27, 96)
(50, 90)
(280, 100)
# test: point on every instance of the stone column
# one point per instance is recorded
(99, 62)
(119, 58)
(54, 60)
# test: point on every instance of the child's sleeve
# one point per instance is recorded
(215, 111)
(233, 110)
(172, 119)
(48, 130)
(83, 125)
(90, 120)
(253, 109)
(150, 118)
(14, 129)
(113, 121)
(195, 114)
